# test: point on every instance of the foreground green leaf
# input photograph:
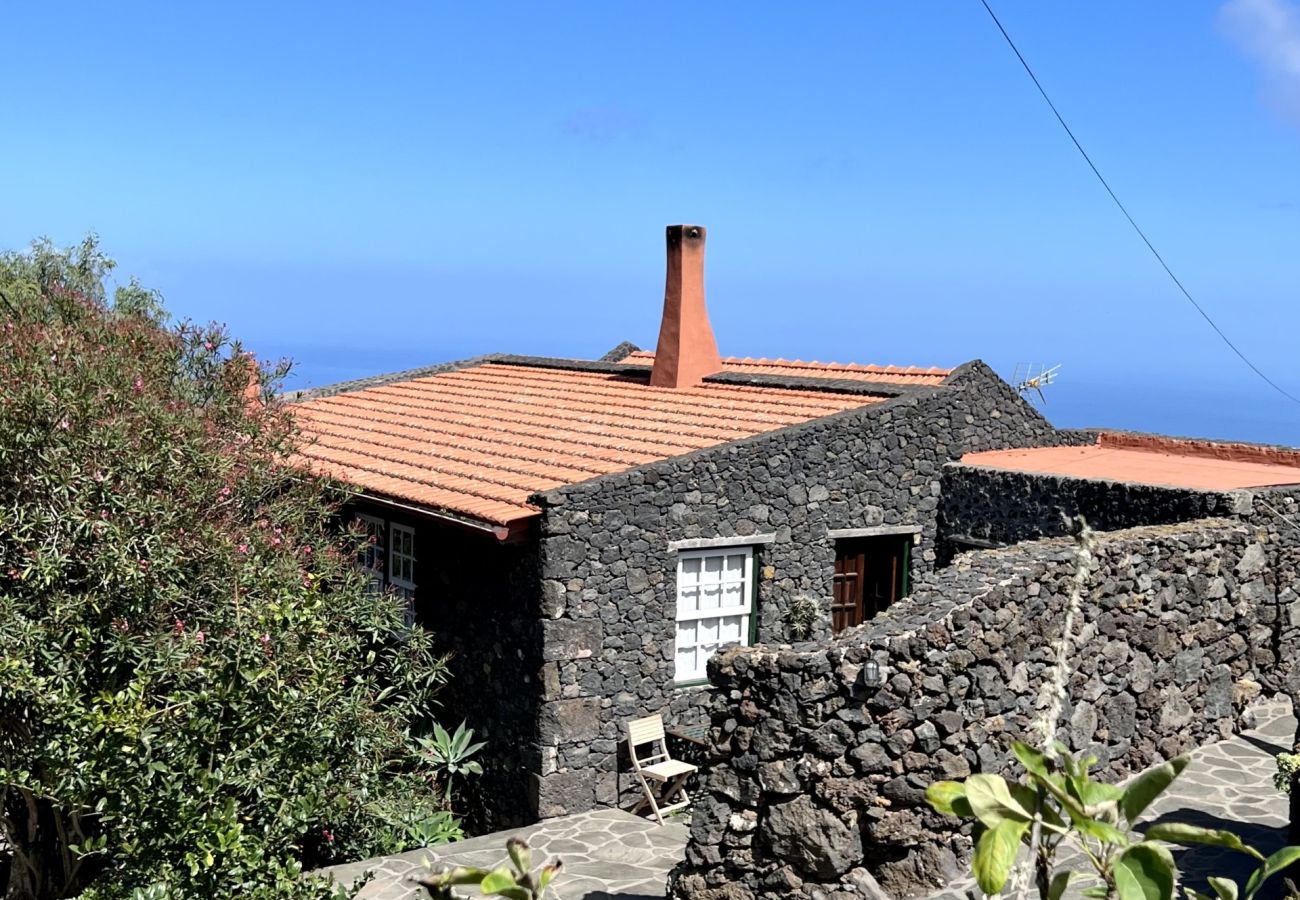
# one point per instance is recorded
(1178, 833)
(1278, 861)
(942, 795)
(1145, 872)
(991, 801)
(995, 853)
(1225, 888)
(1149, 785)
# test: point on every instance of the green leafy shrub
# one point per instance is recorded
(198, 697)
(1288, 769)
(1059, 800)
(514, 879)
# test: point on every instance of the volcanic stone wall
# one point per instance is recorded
(479, 598)
(608, 571)
(816, 778)
(1002, 507)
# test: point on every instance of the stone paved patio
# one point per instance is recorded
(1228, 785)
(613, 854)
(607, 854)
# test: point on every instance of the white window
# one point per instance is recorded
(715, 591)
(401, 561)
(374, 553)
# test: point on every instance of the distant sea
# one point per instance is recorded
(1242, 411)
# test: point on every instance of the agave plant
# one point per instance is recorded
(450, 753)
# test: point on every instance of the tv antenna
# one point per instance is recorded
(1033, 377)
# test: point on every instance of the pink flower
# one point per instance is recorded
(139, 385)
(224, 492)
(327, 834)
(179, 627)
(243, 548)
(199, 636)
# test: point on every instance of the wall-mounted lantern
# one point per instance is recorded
(873, 674)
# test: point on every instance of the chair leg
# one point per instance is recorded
(678, 788)
(649, 799)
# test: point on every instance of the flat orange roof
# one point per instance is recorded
(1149, 459)
(478, 442)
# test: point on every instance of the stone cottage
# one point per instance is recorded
(584, 536)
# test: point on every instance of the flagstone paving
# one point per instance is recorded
(606, 854)
(613, 854)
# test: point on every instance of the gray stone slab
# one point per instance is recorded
(607, 854)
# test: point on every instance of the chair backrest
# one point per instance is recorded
(646, 731)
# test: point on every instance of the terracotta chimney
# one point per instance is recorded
(686, 352)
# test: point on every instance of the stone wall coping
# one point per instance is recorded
(875, 531)
(740, 540)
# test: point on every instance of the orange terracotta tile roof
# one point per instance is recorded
(799, 369)
(1151, 459)
(479, 441)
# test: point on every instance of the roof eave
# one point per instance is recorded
(511, 531)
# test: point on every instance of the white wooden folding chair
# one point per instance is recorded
(669, 775)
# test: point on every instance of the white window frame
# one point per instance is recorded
(377, 573)
(404, 586)
(686, 614)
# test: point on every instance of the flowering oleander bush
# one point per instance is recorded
(198, 697)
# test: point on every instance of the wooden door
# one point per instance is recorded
(850, 573)
(871, 574)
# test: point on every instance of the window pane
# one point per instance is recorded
(708, 631)
(686, 634)
(736, 565)
(712, 569)
(711, 597)
(733, 596)
(731, 629)
(688, 600)
(686, 668)
(688, 571)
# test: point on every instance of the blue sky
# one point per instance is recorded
(366, 189)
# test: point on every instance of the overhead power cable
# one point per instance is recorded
(1150, 246)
